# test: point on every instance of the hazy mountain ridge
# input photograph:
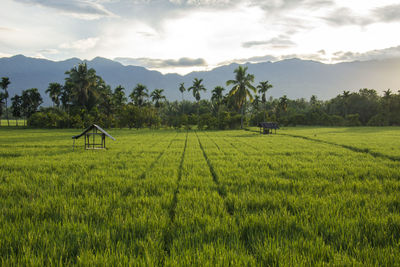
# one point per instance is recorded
(294, 77)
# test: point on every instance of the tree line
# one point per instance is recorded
(85, 98)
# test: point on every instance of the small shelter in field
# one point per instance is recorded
(90, 135)
(267, 127)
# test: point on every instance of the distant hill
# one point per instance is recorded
(292, 77)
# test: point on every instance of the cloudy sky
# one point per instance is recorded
(186, 35)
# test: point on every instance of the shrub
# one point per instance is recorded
(378, 120)
(353, 120)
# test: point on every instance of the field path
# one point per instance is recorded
(352, 148)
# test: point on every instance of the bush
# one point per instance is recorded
(49, 118)
(234, 121)
(378, 120)
(76, 122)
(337, 120)
(207, 121)
(353, 120)
(298, 119)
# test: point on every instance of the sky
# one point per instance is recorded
(189, 35)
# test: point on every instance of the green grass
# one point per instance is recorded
(306, 196)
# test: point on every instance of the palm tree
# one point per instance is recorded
(182, 89)
(283, 102)
(387, 93)
(156, 96)
(54, 90)
(242, 88)
(83, 82)
(5, 81)
(263, 87)
(346, 95)
(16, 107)
(386, 100)
(196, 88)
(119, 97)
(217, 96)
(1, 105)
(256, 103)
(139, 95)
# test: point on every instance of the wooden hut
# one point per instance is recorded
(90, 135)
(267, 127)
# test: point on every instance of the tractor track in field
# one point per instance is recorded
(143, 175)
(212, 140)
(221, 191)
(248, 246)
(235, 147)
(352, 148)
(167, 236)
(247, 144)
(175, 198)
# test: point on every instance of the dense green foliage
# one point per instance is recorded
(85, 99)
(306, 196)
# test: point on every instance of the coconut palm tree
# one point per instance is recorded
(217, 96)
(16, 105)
(346, 95)
(263, 87)
(54, 90)
(387, 93)
(139, 95)
(118, 97)
(256, 103)
(1, 105)
(242, 89)
(196, 88)
(156, 96)
(182, 89)
(283, 102)
(83, 83)
(5, 81)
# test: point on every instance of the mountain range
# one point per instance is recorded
(295, 78)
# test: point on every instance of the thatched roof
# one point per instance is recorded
(90, 128)
(268, 125)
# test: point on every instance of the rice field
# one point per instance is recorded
(306, 196)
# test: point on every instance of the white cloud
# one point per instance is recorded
(280, 42)
(376, 54)
(5, 55)
(81, 45)
(83, 9)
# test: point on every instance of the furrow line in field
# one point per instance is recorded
(167, 234)
(235, 147)
(249, 145)
(212, 140)
(352, 148)
(175, 198)
(221, 191)
(143, 175)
